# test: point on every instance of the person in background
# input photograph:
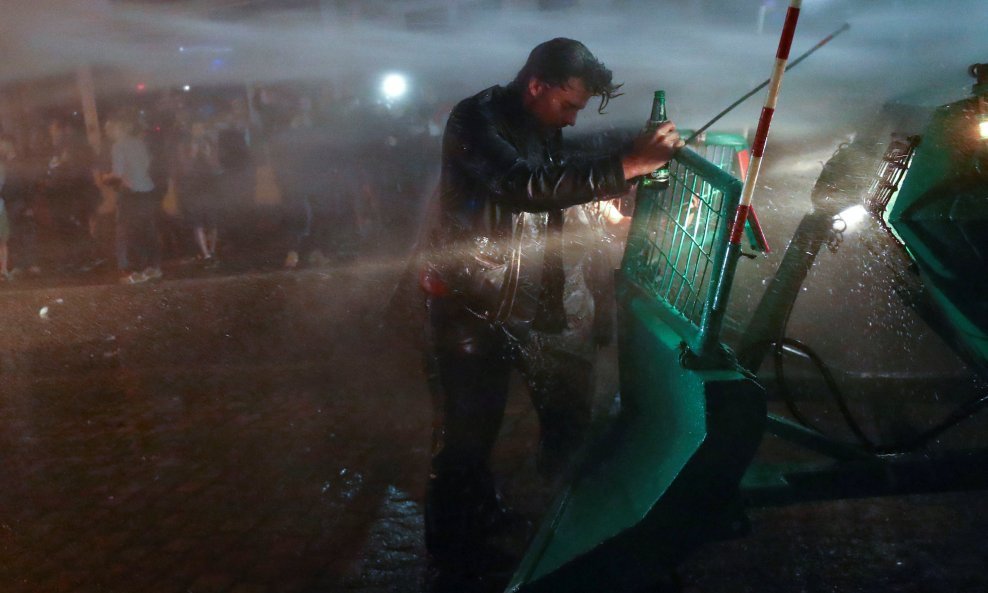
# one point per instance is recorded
(6, 154)
(196, 179)
(137, 201)
(70, 189)
(236, 184)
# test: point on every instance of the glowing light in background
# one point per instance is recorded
(186, 88)
(394, 86)
(983, 129)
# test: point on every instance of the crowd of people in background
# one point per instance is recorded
(290, 174)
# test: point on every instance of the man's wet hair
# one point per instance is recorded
(557, 60)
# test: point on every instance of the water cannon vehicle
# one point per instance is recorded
(706, 433)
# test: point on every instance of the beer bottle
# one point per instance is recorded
(658, 179)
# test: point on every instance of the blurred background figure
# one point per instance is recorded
(23, 199)
(137, 203)
(197, 177)
(289, 173)
(6, 154)
(319, 168)
(236, 184)
(70, 191)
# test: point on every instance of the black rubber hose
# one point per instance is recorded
(962, 413)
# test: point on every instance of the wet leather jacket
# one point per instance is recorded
(495, 154)
(499, 162)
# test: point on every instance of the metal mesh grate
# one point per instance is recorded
(674, 241)
(894, 165)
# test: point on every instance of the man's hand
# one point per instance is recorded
(651, 150)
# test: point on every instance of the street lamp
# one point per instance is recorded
(394, 86)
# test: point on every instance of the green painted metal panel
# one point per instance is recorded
(677, 241)
(940, 214)
(950, 149)
(662, 480)
(665, 476)
(712, 140)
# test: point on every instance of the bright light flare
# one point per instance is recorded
(851, 217)
(983, 129)
(394, 86)
(611, 212)
(186, 88)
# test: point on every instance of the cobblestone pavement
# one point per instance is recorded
(268, 433)
(240, 434)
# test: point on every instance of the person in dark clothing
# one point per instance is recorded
(198, 167)
(236, 183)
(496, 279)
(7, 153)
(70, 187)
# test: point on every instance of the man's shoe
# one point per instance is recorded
(133, 278)
(91, 265)
(152, 273)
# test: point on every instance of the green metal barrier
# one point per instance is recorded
(665, 476)
(672, 253)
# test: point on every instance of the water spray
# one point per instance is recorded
(765, 83)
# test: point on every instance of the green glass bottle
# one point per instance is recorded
(658, 179)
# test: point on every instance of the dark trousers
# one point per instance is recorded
(24, 242)
(469, 367)
(139, 213)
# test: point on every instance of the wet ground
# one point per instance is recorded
(266, 433)
(250, 432)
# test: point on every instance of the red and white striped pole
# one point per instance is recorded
(761, 135)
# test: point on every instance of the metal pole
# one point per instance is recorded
(765, 121)
(708, 351)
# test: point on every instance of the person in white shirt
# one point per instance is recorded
(137, 201)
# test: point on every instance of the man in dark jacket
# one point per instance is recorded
(496, 279)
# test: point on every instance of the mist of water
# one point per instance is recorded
(704, 54)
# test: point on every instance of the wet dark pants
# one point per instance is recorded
(139, 213)
(469, 367)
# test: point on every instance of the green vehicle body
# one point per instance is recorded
(940, 214)
(664, 477)
(676, 468)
